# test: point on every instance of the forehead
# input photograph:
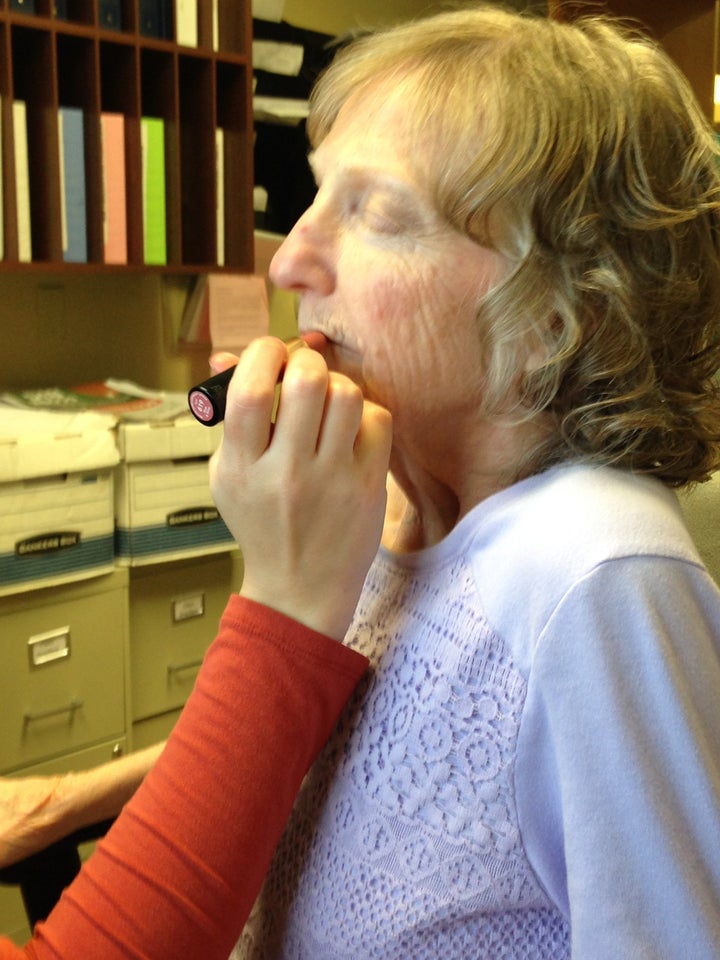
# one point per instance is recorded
(373, 129)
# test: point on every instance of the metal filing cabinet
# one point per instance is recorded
(63, 682)
(63, 688)
(96, 667)
(175, 608)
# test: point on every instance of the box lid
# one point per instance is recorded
(176, 439)
(37, 443)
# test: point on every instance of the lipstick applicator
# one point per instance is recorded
(207, 400)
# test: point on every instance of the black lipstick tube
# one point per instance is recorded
(207, 400)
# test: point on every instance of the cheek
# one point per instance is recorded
(406, 303)
(403, 319)
(406, 334)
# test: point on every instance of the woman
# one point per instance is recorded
(180, 868)
(515, 249)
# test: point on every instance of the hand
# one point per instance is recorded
(35, 811)
(305, 497)
(26, 816)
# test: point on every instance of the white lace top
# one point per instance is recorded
(480, 798)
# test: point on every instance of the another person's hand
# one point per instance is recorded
(304, 497)
(36, 811)
(28, 808)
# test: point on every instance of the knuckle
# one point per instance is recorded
(345, 389)
(251, 397)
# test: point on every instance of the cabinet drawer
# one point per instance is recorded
(174, 613)
(62, 684)
(146, 733)
(13, 919)
(82, 760)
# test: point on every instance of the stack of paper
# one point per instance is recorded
(112, 128)
(22, 180)
(186, 22)
(153, 188)
(118, 399)
(71, 138)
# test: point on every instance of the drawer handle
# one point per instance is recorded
(180, 667)
(45, 714)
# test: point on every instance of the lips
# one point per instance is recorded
(315, 340)
(338, 355)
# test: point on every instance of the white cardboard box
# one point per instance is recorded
(167, 439)
(56, 498)
(163, 506)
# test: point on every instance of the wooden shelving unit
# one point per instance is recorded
(76, 62)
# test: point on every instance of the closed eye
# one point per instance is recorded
(375, 217)
(372, 200)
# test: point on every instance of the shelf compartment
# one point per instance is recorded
(120, 93)
(197, 160)
(234, 26)
(75, 11)
(159, 98)
(7, 160)
(34, 83)
(233, 117)
(77, 79)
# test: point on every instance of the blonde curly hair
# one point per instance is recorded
(577, 150)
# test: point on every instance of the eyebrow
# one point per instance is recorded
(365, 170)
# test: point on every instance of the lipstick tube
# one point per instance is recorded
(207, 400)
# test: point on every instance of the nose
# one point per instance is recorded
(304, 262)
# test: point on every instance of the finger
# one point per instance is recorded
(342, 417)
(251, 396)
(222, 360)
(374, 439)
(302, 402)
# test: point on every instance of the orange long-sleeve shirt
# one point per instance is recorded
(179, 871)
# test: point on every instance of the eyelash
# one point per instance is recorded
(380, 223)
(361, 211)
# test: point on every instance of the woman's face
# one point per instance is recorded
(392, 286)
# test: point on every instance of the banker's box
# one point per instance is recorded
(56, 499)
(163, 506)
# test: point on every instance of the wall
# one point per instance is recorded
(687, 31)
(340, 16)
(67, 329)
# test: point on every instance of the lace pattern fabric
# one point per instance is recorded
(405, 841)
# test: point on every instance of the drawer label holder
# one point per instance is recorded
(45, 648)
